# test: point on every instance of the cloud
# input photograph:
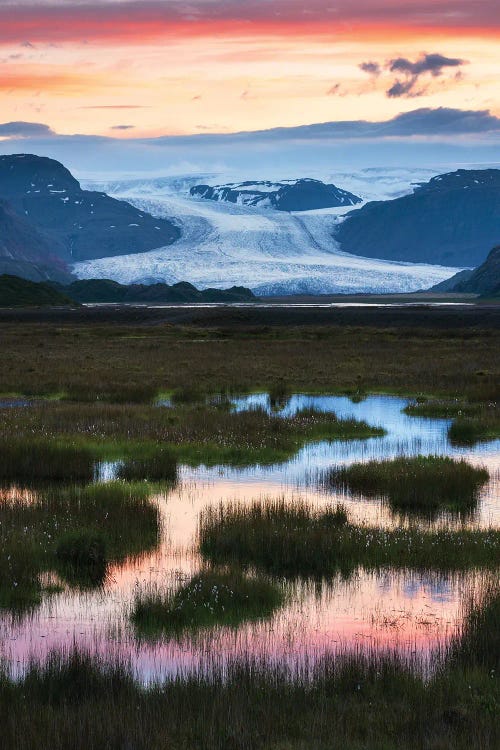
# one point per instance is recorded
(25, 130)
(440, 122)
(413, 76)
(433, 63)
(122, 127)
(373, 68)
(444, 123)
(140, 21)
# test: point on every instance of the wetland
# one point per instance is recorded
(226, 557)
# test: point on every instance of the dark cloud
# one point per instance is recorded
(404, 88)
(433, 63)
(413, 75)
(122, 127)
(25, 130)
(443, 121)
(373, 68)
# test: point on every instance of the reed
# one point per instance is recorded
(296, 540)
(31, 459)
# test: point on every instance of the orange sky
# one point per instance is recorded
(143, 67)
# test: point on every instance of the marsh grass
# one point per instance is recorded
(160, 467)
(31, 459)
(194, 435)
(279, 394)
(416, 483)
(64, 529)
(82, 558)
(92, 358)
(357, 700)
(465, 431)
(112, 391)
(473, 421)
(295, 540)
(210, 598)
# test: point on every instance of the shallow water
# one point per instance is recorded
(408, 611)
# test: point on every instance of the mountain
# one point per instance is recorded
(484, 280)
(24, 251)
(452, 220)
(105, 290)
(72, 224)
(17, 292)
(448, 285)
(289, 195)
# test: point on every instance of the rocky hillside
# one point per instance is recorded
(24, 251)
(17, 292)
(451, 220)
(105, 290)
(53, 221)
(289, 195)
(484, 280)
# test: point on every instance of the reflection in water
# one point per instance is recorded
(405, 610)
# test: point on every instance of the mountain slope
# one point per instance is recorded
(24, 251)
(17, 292)
(106, 290)
(290, 195)
(453, 219)
(76, 224)
(484, 280)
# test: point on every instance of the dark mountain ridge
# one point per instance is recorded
(484, 280)
(63, 223)
(106, 290)
(19, 292)
(454, 219)
(304, 194)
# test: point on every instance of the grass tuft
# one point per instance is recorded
(209, 598)
(414, 483)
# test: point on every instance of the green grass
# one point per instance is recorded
(193, 434)
(470, 431)
(360, 700)
(296, 540)
(28, 458)
(101, 360)
(208, 599)
(57, 529)
(416, 483)
(160, 467)
(117, 392)
(472, 421)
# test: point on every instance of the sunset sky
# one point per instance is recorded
(144, 68)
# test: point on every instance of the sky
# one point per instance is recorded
(143, 69)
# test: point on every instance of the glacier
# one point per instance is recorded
(271, 252)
